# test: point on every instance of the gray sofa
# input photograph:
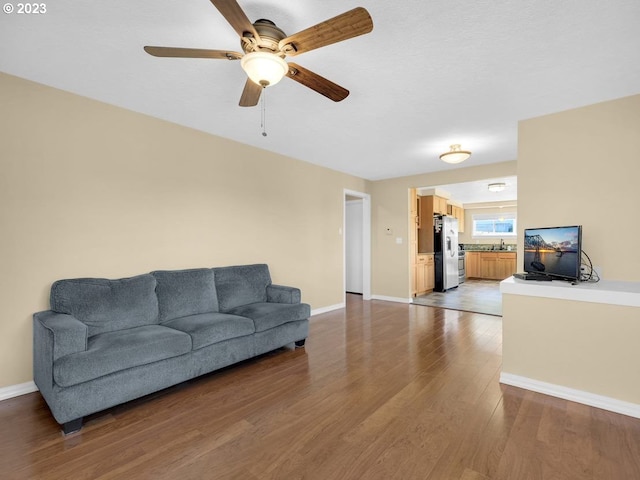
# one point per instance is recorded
(105, 342)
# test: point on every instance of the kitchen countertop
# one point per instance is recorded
(475, 251)
(491, 251)
(488, 247)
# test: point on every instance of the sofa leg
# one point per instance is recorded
(72, 426)
(300, 343)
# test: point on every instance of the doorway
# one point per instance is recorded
(357, 243)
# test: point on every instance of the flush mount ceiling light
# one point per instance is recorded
(497, 187)
(264, 68)
(455, 154)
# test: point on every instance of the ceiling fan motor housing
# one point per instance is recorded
(270, 36)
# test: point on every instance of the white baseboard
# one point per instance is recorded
(579, 396)
(338, 306)
(330, 308)
(391, 299)
(17, 390)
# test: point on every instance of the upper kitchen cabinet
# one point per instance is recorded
(457, 212)
(429, 205)
(434, 204)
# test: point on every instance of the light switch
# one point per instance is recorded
(399, 240)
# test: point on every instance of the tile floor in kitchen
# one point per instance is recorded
(480, 296)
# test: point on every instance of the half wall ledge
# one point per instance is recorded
(605, 291)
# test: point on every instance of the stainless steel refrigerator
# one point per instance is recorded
(445, 231)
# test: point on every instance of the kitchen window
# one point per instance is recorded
(494, 225)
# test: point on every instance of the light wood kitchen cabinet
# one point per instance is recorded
(424, 274)
(488, 268)
(421, 280)
(434, 205)
(430, 273)
(458, 213)
(421, 212)
(472, 264)
(413, 222)
(414, 211)
(505, 265)
(490, 265)
(413, 202)
(429, 206)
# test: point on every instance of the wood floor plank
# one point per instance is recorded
(381, 391)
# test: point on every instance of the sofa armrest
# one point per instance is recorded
(66, 333)
(282, 294)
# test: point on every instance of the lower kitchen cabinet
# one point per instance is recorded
(490, 265)
(424, 274)
(506, 265)
(430, 273)
(472, 264)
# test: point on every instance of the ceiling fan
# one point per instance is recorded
(265, 46)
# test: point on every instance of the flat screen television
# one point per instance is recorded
(554, 251)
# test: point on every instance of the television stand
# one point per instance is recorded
(538, 277)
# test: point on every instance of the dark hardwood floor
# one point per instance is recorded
(381, 391)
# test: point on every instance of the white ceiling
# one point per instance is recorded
(476, 192)
(431, 73)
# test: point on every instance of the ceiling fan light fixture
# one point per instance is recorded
(455, 154)
(497, 187)
(264, 68)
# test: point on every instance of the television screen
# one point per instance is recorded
(553, 251)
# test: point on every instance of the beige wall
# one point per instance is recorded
(591, 347)
(390, 209)
(580, 167)
(87, 189)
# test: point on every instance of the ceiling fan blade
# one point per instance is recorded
(251, 94)
(236, 17)
(348, 25)
(315, 82)
(191, 53)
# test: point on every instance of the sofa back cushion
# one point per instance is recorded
(107, 305)
(241, 285)
(185, 292)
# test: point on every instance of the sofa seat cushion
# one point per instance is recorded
(209, 328)
(269, 315)
(111, 352)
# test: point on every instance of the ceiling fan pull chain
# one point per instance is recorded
(263, 111)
